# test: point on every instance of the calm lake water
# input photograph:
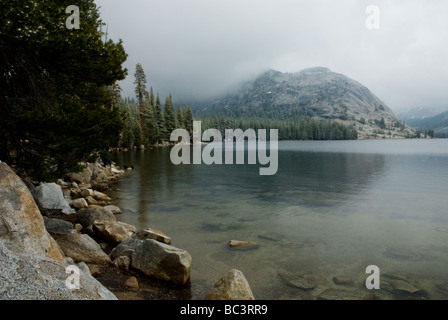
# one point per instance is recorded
(332, 209)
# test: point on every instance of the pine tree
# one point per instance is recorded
(149, 130)
(180, 118)
(169, 116)
(188, 121)
(159, 120)
(54, 82)
(140, 90)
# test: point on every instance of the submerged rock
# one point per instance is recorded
(242, 245)
(403, 286)
(442, 286)
(273, 236)
(344, 281)
(298, 281)
(232, 286)
(336, 294)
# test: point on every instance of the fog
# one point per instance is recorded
(197, 49)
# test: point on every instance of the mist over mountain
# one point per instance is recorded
(316, 93)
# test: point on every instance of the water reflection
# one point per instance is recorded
(333, 211)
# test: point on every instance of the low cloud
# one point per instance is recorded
(198, 49)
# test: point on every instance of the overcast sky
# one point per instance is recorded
(201, 48)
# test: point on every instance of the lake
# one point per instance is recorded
(332, 209)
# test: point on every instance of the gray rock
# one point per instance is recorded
(57, 226)
(21, 223)
(62, 183)
(156, 259)
(343, 281)
(122, 262)
(298, 281)
(28, 276)
(403, 286)
(88, 216)
(82, 248)
(84, 267)
(150, 233)
(131, 283)
(113, 209)
(335, 294)
(113, 232)
(86, 192)
(99, 196)
(50, 199)
(79, 204)
(82, 177)
(101, 186)
(232, 286)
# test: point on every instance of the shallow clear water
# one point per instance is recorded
(334, 209)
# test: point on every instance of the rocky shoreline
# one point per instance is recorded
(72, 223)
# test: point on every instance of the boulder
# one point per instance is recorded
(156, 259)
(62, 183)
(150, 233)
(131, 283)
(83, 176)
(50, 199)
(57, 226)
(29, 276)
(101, 186)
(81, 247)
(98, 173)
(88, 216)
(113, 232)
(113, 209)
(232, 286)
(86, 193)
(79, 203)
(91, 201)
(21, 223)
(101, 196)
(122, 262)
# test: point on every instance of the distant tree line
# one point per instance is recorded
(291, 129)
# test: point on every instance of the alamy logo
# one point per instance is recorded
(73, 280)
(373, 18)
(72, 21)
(373, 281)
(212, 152)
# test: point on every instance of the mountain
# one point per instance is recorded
(317, 93)
(437, 123)
(420, 112)
(427, 118)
